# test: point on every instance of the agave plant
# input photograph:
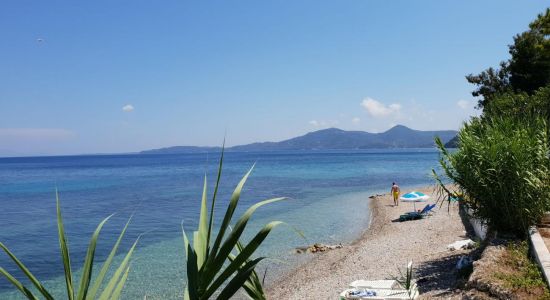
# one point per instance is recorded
(407, 281)
(211, 267)
(253, 286)
(114, 286)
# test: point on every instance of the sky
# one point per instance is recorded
(122, 76)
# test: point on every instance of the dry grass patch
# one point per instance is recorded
(505, 271)
(518, 274)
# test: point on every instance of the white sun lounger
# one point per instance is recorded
(384, 289)
(376, 284)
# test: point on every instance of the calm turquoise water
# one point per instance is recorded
(328, 201)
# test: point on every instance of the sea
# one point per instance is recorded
(327, 201)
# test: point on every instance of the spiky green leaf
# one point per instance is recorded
(242, 257)
(65, 257)
(27, 273)
(210, 222)
(120, 285)
(18, 285)
(89, 262)
(107, 292)
(99, 279)
(234, 237)
(239, 279)
(229, 213)
(200, 240)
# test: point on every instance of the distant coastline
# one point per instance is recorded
(331, 139)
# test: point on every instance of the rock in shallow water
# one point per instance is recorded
(317, 247)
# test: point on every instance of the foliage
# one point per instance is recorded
(407, 281)
(528, 68)
(453, 143)
(502, 169)
(209, 267)
(530, 61)
(447, 192)
(523, 273)
(518, 104)
(114, 286)
(253, 286)
(490, 82)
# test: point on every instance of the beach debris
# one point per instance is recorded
(374, 196)
(464, 262)
(463, 244)
(317, 247)
(358, 293)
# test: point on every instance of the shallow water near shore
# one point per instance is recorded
(328, 201)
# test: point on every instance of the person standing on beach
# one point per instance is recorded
(395, 190)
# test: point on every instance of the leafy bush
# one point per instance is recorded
(502, 168)
(114, 286)
(518, 104)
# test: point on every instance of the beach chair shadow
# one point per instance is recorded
(426, 211)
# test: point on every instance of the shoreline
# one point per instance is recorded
(381, 251)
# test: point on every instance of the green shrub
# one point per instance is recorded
(502, 169)
(519, 104)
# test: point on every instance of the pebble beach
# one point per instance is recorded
(382, 251)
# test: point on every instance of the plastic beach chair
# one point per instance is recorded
(424, 210)
(427, 209)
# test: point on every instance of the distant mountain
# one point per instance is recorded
(333, 139)
(453, 143)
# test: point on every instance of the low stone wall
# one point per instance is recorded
(540, 252)
(479, 228)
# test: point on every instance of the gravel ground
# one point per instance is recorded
(383, 249)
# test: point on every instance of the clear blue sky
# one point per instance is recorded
(187, 72)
